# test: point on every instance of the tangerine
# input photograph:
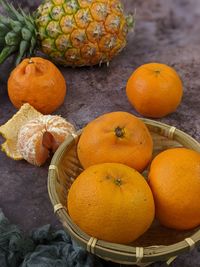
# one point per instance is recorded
(116, 137)
(39, 136)
(175, 182)
(155, 90)
(112, 202)
(39, 82)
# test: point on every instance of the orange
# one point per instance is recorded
(32, 136)
(39, 136)
(38, 82)
(112, 202)
(155, 90)
(175, 182)
(116, 137)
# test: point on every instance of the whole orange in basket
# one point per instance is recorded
(155, 90)
(38, 82)
(175, 182)
(116, 137)
(112, 202)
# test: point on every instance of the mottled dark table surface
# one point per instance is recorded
(166, 31)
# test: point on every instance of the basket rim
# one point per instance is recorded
(126, 254)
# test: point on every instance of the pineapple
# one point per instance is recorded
(70, 32)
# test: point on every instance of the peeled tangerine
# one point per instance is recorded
(31, 136)
(40, 136)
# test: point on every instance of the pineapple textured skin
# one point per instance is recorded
(81, 32)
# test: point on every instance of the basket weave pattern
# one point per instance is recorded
(158, 243)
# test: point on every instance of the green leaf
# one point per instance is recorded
(27, 17)
(16, 25)
(2, 40)
(4, 20)
(23, 13)
(3, 34)
(24, 46)
(12, 9)
(33, 45)
(6, 52)
(130, 21)
(7, 9)
(12, 38)
(17, 31)
(27, 20)
(30, 26)
(31, 18)
(26, 34)
(3, 27)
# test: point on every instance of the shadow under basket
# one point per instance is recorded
(158, 243)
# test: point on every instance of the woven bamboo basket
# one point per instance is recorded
(158, 243)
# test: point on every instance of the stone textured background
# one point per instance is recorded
(167, 32)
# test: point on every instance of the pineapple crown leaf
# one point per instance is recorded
(24, 46)
(11, 38)
(33, 45)
(17, 33)
(27, 19)
(13, 13)
(16, 26)
(130, 20)
(6, 52)
(4, 20)
(4, 28)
